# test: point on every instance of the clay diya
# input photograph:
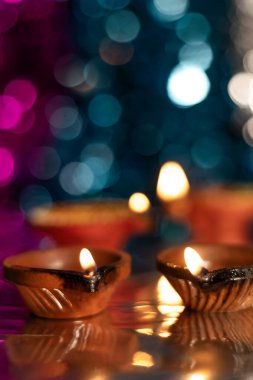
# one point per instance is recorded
(67, 282)
(73, 349)
(105, 223)
(220, 279)
(217, 213)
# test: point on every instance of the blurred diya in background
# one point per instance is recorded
(217, 213)
(213, 278)
(67, 282)
(105, 223)
(76, 349)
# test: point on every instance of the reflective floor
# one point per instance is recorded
(145, 333)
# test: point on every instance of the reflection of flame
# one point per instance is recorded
(172, 182)
(139, 202)
(198, 376)
(168, 298)
(194, 262)
(87, 262)
(145, 331)
(143, 359)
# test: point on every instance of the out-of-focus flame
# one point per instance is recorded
(139, 202)
(87, 262)
(172, 182)
(169, 300)
(143, 359)
(193, 261)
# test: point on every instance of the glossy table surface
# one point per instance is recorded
(145, 333)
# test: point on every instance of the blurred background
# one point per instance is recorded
(97, 94)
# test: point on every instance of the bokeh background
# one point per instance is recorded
(97, 94)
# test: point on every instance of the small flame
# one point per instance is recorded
(172, 182)
(139, 202)
(87, 262)
(194, 262)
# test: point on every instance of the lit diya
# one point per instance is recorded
(213, 278)
(67, 282)
(105, 223)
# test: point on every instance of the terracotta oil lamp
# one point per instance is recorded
(90, 222)
(67, 282)
(218, 213)
(214, 278)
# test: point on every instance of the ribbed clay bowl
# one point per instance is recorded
(53, 284)
(90, 222)
(228, 286)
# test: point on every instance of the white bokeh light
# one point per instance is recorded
(240, 89)
(187, 85)
(247, 131)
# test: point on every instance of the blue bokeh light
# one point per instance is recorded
(91, 8)
(169, 10)
(76, 178)
(122, 26)
(104, 110)
(207, 152)
(200, 55)
(113, 4)
(193, 28)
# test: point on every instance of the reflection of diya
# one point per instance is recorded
(49, 348)
(106, 223)
(235, 330)
(221, 214)
(227, 284)
(213, 344)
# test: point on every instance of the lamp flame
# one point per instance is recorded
(139, 202)
(172, 182)
(87, 262)
(194, 262)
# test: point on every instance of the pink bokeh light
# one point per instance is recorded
(23, 91)
(7, 166)
(10, 112)
(13, 1)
